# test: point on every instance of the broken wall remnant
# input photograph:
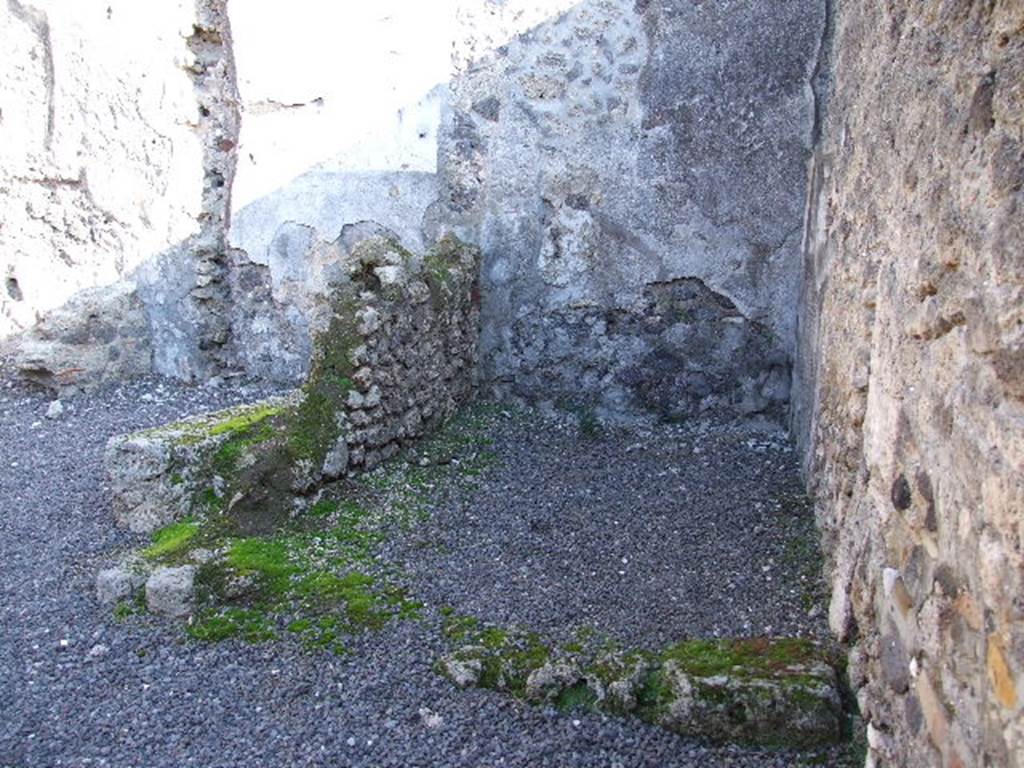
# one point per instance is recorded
(128, 190)
(99, 335)
(395, 355)
(185, 289)
(910, 404)
(780, 692)
(319, 152)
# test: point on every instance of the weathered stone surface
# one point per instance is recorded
(592, 149)
(406, 325)
(99, 168)
(910, 407)
(123, 161)
(159, 475)
(758, 691)
(171, 591)
(606, 158)
(549, 680)
(800, 708)
(100, 335)
(465, 673)
(120, 582)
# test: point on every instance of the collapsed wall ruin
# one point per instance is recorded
(635, 174)
(395, 355)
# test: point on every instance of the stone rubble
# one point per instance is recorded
(120, 582)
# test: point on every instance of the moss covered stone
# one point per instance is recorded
(387, 367)
(171, 540)
(758, 691)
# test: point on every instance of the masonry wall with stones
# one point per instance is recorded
(122, 126)
(910, 399)
(395, 355)
(634, 173)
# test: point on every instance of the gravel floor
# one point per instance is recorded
(649, 537)
(78, 688)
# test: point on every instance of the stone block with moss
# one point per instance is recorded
(762, 692)
(161, 475)
(395, 355)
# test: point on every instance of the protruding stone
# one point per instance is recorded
(1003, 682)
(171, 591)
(336, 461)
(547, 681)
(464, 672)
(118, 583)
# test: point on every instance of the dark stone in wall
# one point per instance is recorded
(683, 352)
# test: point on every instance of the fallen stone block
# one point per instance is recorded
(160, 475)
(99, 335)
(120, 582)
(171, 591)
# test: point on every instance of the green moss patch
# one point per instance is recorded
(449, 460)
(312, 428)
(577, 697)
(250, 625)
(319, 577)
(758, 657)
(171, 540)
(802, 554)
(230, 422)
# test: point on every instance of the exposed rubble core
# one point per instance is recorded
(395, 357)
(218, 125)
(99, 335)
(681, 352)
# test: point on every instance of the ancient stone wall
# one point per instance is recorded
(339, 127)
(100, 163)
(124, 124)
(634, 173)
(395, 355)
(910, 394)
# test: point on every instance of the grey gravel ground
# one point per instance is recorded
(78, 688)
(647, 536)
